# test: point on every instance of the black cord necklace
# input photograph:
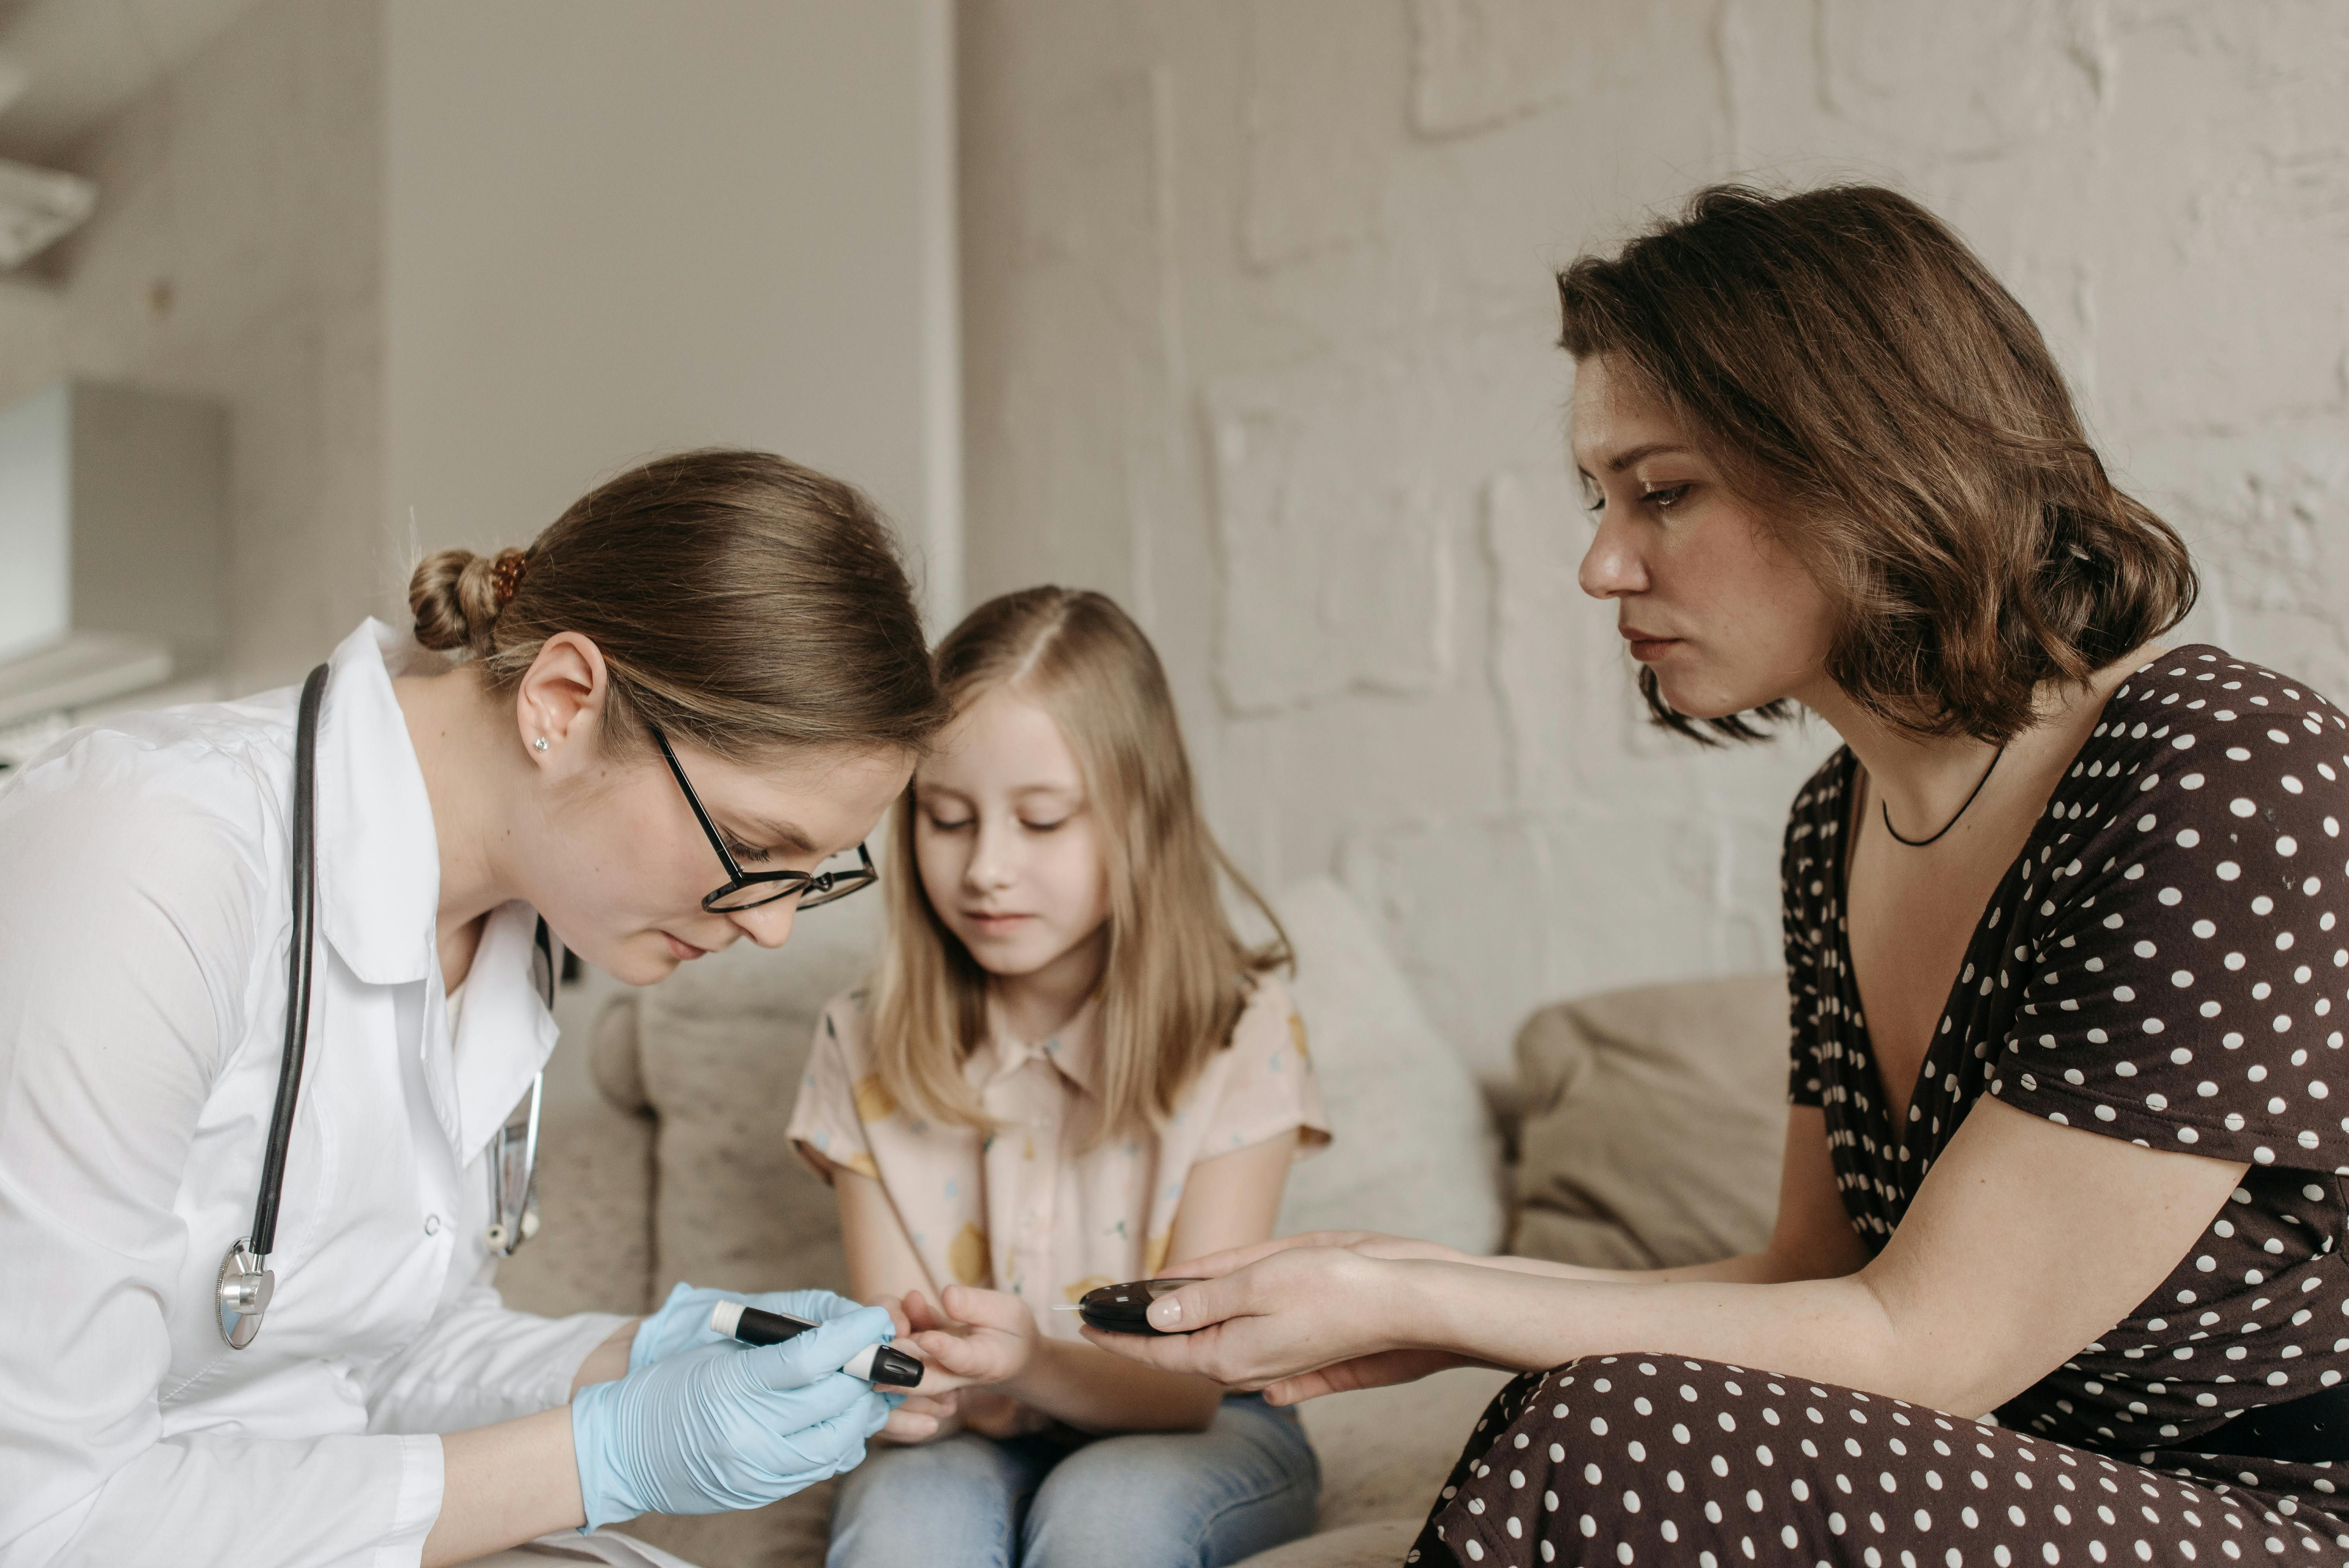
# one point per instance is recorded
(1886, 812)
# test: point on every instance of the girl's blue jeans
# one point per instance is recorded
(1147, 1499)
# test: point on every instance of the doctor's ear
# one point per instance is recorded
(558, 704)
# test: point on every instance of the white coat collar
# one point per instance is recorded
(504, 1034)
(379, 894)
(379, 857)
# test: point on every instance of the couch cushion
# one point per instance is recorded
(1378, 1544)
(1654, 1123)
(1384, 1452)
(593, 1251)
(1413, 1150)
(791, 1534)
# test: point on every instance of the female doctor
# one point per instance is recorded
(697, 691)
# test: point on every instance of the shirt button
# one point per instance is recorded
(432, 1225)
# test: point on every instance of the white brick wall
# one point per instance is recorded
(1257, 309)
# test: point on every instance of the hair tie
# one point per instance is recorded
(507, 575)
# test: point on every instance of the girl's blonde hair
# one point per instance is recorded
(1178, 975)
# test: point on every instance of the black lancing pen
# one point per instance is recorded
(879, 1365)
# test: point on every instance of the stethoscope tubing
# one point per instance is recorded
(247, 1284)
(297, 963)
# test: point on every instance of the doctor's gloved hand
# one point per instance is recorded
(727, 1426)
(682, 1322)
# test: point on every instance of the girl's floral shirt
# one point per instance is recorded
(1026, 1209)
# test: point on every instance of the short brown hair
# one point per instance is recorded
(1177, 976)
(1856, 370)
(741, 602)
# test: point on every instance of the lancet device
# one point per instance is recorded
(879, 1365)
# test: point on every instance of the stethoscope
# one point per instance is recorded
(246, 1282)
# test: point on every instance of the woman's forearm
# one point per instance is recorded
(1749, 1268)
(1096, 1392)
(1836, 1330)
(504, 1485)
(513, 1483)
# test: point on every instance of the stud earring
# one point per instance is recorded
(540, 743)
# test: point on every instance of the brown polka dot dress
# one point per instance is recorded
(2165, 962)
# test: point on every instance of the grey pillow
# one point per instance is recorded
(1654, 1124)
(1414, 1151)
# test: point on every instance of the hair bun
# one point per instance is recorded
(455, 600)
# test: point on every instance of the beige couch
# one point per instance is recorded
(1647, 1122)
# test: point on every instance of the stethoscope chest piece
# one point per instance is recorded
(243, 1294)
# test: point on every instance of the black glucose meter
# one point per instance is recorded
(1124, 1308)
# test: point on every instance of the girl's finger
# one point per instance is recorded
(909, 1426)
(953, 1353)
(989, 1309)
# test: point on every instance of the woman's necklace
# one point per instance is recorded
(1886, 812)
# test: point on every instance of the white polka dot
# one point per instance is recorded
(2239, 805)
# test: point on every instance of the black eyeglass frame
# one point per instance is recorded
(814, 888)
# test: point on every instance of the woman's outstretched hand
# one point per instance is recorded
(1297, 1317)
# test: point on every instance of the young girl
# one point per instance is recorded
(1070, 1071)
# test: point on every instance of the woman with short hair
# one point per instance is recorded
(2054, 1276)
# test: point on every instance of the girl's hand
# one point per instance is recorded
(1297, 1321)
(920, 1418)
(976, 1336)
(923, 1419)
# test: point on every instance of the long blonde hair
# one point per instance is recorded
(1177, 976)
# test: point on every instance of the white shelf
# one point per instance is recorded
(85, 667)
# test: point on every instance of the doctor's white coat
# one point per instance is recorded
(144, 919)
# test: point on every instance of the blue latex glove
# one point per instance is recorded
(727, 1426)
(683, 1321)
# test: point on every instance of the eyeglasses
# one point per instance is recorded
(748, 890)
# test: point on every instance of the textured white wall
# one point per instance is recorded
(1258, 306)
(614, 229)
